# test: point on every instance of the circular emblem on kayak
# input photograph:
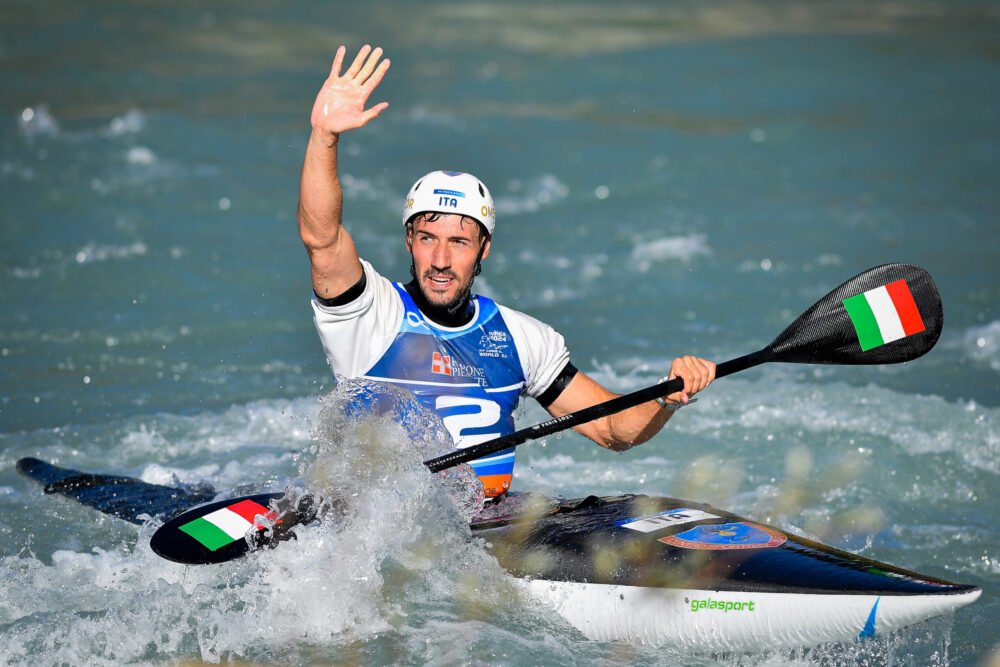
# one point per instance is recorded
(740, 535)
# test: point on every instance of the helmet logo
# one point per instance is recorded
(487, 212)
(453, 193)
(448, 201)
(452, 173)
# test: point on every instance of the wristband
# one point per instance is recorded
(673, 407)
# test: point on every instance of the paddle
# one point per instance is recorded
(885, 315)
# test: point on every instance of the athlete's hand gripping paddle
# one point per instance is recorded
(885, 315)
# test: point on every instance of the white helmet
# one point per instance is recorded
(451, 192)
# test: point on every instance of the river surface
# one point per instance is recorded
(670, 178)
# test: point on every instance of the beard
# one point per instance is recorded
(453, 305)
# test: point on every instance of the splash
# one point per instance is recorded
(372, 439)
(392, 548)
(392, 538)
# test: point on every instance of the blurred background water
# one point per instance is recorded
(671, 178)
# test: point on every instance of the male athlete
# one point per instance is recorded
(462, 355)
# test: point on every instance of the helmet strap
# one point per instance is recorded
(479, 263)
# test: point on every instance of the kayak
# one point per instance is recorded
(634, 568)
(663, 571)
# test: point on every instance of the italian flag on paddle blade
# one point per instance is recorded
(884, 314)
(224, 526)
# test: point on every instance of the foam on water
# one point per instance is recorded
(530, 195)
(132, 121)
(980, 344)
(684, 248)
(37, 122)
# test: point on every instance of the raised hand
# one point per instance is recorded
(340, 104)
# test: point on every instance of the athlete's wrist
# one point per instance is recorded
(326, 138)
(672, 406)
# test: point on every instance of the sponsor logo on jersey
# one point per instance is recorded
(458, 369)
(441, 364)
(488, 347)
(415, 320)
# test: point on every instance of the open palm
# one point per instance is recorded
(340, 104)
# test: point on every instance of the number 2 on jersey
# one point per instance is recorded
(488, 414)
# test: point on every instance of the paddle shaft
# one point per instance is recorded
(611, 407)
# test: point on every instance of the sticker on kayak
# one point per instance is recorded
(740, 535)
(665, 519)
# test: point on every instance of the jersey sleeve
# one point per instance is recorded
(541, 349)
(355, 334)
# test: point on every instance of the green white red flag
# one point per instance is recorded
(884, 314)
(224, 526)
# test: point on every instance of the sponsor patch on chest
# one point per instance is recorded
(493, 345)
(441, 364)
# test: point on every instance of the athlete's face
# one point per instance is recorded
(444, 257)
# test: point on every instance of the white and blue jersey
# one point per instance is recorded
(472, 376)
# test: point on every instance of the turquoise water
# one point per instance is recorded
(670, 178)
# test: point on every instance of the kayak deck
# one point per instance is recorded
(635, 540)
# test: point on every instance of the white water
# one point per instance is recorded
(396, 577)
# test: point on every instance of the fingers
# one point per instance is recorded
(376, 78)
(338, 61)
(359, 61)
(375, 110)
(366, 70)
(697, 374)
(370, 64)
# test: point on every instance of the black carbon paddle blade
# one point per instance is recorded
(885, 315)
(212, 533)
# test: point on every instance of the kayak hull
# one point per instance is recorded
(738, 621)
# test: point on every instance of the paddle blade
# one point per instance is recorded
(212, 533)
(885, 315)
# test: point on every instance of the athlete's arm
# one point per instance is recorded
(339, 106)
(634, 426)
